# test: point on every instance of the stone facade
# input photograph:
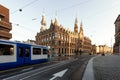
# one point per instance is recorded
(94, 49)
(5, 25)
(101, 49)
(63, 41)
(116, 46)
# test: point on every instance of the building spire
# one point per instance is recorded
(43, 23)
(76, 25)
(81, 26)
(52, 23)
(81, 33)
(56, 21)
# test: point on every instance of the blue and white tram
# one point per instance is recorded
(14, 54)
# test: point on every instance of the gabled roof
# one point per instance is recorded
(118, 19)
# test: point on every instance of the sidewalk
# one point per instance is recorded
(103, 68)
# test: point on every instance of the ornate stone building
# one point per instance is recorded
(63, 41)
(5, 25)
(100, 49)
(94, 49)
(116, 47)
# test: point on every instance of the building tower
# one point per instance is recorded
(81, 33)
(76, 26)
(80, 39)
(56, 22)
(43, 23)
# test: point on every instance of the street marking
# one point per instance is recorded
(59, 74)
(27, 69)
(32, 73)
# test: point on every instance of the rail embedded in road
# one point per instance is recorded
(29, 74)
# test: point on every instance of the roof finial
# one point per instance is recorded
(43, 11)
(56, 21)
(81, 24)
(43, 21)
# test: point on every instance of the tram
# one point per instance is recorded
(15, 54)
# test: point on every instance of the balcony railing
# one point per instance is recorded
(5, 34)
(6, 25)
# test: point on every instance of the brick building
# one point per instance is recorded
(5, 25)
(63, 41)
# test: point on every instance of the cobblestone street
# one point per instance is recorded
(107, 67)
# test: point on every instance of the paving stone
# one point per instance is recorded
(107, 67)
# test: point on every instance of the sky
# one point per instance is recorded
(97, 16)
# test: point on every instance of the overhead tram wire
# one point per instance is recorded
(102, 11)
(29, 31)
(75, 5)
(60, 10)
(20, 9)
(21, 26)
(78, 4)
(66, 8)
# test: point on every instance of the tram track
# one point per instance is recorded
(28, 74)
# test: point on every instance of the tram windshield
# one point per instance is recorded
(6, 49)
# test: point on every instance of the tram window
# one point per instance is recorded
(27, 52)
(20, 51)
(36, 51)
(45, 51)
(6, 49)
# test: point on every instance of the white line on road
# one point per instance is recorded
(59, 74)
(27, 69)
(31, 73)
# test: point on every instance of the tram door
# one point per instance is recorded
(24, 56)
